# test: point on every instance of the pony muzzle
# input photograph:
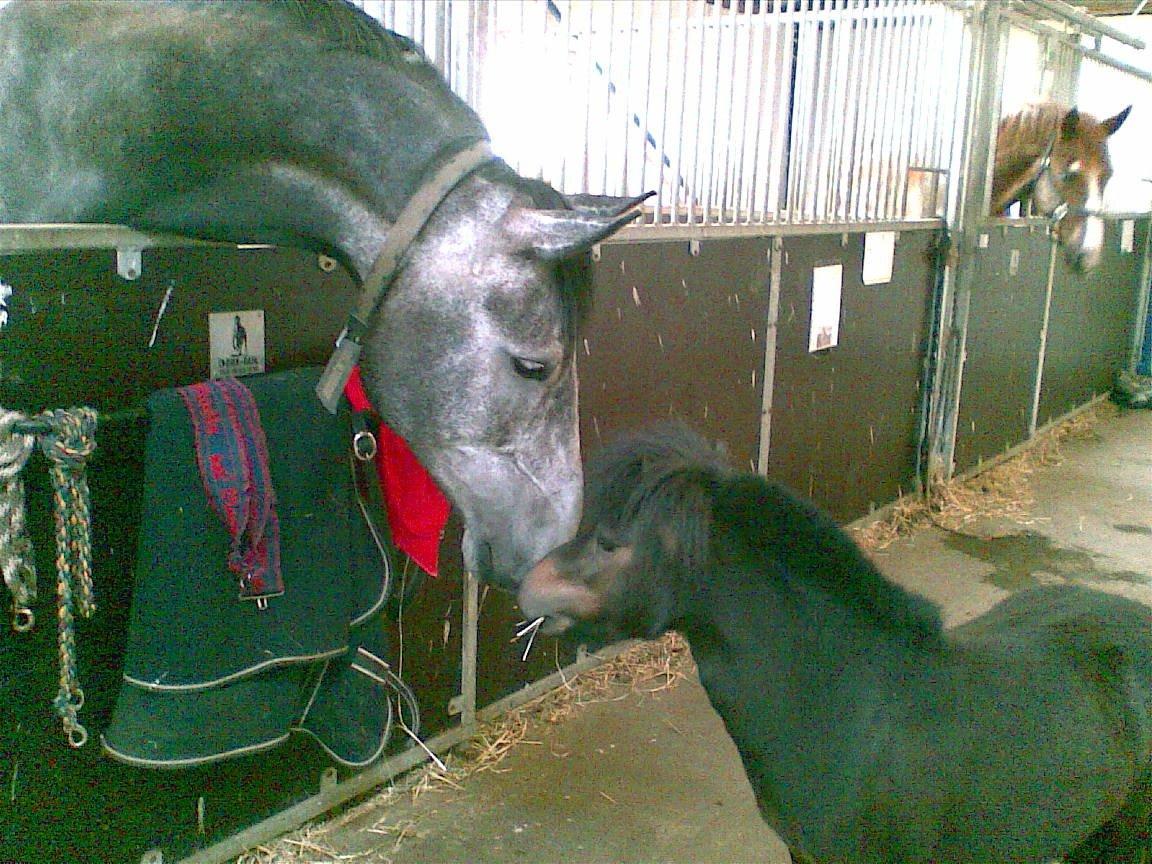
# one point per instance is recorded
(545, 593)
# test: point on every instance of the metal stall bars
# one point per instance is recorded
(740, 115)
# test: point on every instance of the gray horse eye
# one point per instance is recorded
(534, 370)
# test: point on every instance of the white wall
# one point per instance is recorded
(1103, 91)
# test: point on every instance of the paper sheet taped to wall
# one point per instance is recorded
(824, 331)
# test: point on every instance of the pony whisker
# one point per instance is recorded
(529, 629)
(528, 626)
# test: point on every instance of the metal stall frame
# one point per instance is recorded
(990, 22)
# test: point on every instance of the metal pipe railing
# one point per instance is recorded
(1087, 23)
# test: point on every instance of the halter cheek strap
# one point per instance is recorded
(1063, 209)
(408, 224)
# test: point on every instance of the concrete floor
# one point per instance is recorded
(652, 777)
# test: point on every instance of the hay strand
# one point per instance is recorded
(1002, 492)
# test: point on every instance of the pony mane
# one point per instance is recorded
(660, 480)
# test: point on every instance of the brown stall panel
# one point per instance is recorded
(677, 334)
(845, 419)
(1090, 325)
(78, 333)
(1004, 323)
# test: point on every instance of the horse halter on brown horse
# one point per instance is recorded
(1057, 158)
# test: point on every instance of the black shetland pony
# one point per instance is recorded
(868, 733)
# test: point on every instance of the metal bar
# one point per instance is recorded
(775, 270)
(913, 98)
(758, 35)
(891, 63)
(902, 114)
(667, 170)
(797, 139)
(697, 174)
(586, 167)
(846, 158)
(749, 118)
(1088, 23)
(658, 233)
(625, 148)
(782, 156)
(986, 62)
(773, 168)
(1040, 28)
(1142, 303)
(609, 87)
(872, 103)
(844, 55)
(855, 172)
(645, 134)
(823, 127)
(732, 142)
(685, 171)
(468, 650)
(708, 169)
(569, 67)
(1042, 351)
(16, 238)
(953, 135)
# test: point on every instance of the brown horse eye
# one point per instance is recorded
(534, 370)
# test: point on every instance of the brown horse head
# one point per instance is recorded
(1057, 157)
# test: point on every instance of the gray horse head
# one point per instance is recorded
(471, 360)
(317, 140)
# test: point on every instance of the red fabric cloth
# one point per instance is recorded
(417, 509)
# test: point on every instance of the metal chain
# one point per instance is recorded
(71, 439)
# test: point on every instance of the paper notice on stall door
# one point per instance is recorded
(826, 286)
(879, 253)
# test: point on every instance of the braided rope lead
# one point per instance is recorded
(16, 559)
(68, 444)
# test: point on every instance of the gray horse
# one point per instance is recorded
(308, 124)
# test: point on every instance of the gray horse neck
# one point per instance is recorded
(232, 122)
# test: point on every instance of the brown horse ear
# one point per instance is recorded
(554, 234)
(1070, 123)
(1113, 123)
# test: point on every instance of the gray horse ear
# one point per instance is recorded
(605, 205)
(554, 234)
(1114, 123)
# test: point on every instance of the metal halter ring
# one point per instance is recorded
(23, 619)
(364, 445)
